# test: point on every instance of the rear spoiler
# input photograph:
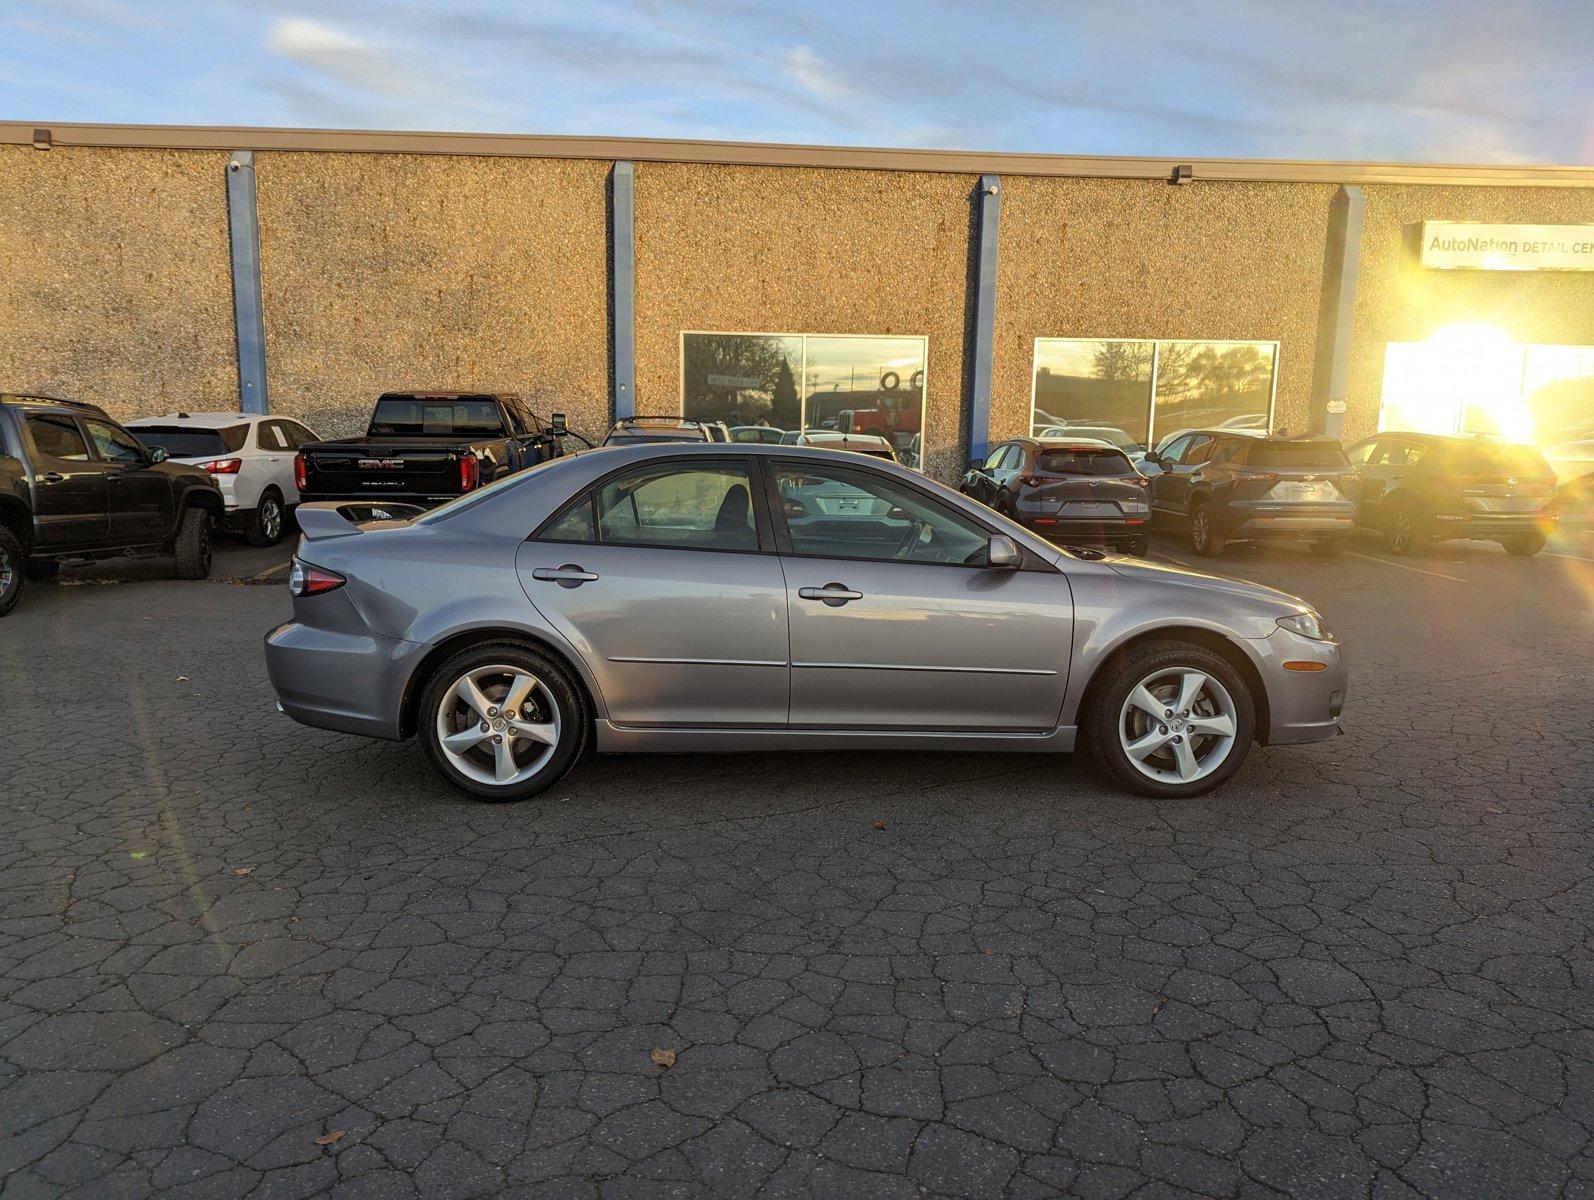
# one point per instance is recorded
(333, 518)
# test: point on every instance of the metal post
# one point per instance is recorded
(243, 223)
(622, 285)
(1337, 312)
(990, 215)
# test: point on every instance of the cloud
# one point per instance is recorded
(812, 73)
(337, 54)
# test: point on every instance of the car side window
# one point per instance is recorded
(298, 435)
(113, 445)
(1198, 451)
(270, 437)
(696, 506)
(1175, 448)
(58, 437)
(1360, 454)
(833, 513)
(1391, 454)
(994, 462)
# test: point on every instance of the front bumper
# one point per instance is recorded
(346, 681)
(1304, 705)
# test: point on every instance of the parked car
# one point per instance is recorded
(687, 597)
(250, 457)
(756, 433)
(76, 486)
(717, 431)
(1229, 485)
(1070, 490)
(426, 447)
(1110, 434)
(636, 431)
(1418, 488)
(871, 444)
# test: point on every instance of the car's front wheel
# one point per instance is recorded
(1170, 719)
(192, 547)
(1401, 533)
(265, 529)
(503, 721)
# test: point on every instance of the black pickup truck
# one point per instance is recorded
(427, 447)
(76, 486)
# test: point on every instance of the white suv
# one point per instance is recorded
(249, 455)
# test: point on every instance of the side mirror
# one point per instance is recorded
(1152, 457)
(157, 454)
(1002, 554)
(975, 465)
(557, 421)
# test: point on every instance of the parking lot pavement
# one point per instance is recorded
(240, 957)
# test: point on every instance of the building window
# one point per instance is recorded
(768, 385)
(1137, 393)
(1475, 379)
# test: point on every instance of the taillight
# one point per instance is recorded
(305, 579)
(223, 466)
(470, 471)
(301, 472)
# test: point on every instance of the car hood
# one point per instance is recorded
(1160, 573)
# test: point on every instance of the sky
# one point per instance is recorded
(1412, 80)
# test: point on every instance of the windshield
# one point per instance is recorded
(1084, 462)
(187, 441)
(1297, 454)
(443, 416)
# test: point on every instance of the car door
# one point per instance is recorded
(139, 497)
(1384, 469)
(1009, 469)
(1187, 472)
(69, 488)
(896, 621)
(273, 460)
(1360, 456)
(663, 577)
(980, 485)
(1163, 483)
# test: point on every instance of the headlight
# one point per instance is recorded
(1308, 624)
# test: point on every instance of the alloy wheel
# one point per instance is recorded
(1401, 533)
(498, 724)
(271, 518)
(1177, 725)
(1200, 529)
(8, 572)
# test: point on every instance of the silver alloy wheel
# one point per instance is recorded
(271, 518)
(1401, 534)
(1200, 529)
(8, 572)
(498, 724)
(1177, 725)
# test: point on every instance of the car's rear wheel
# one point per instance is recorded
(193, 544)
(265, 528)
(1329, 547)
(12, 570)
(1401, 532)
(1524, 545)
(503, 721)
(1170, 719)
(1204, 537)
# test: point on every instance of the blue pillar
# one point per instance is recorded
(989, 224)
(243, 223)
(622, 285)
(1337, 311)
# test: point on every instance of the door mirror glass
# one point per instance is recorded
(1003, 554)
(557, 422)
(157, 454)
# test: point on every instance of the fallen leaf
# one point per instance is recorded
(663, 1058)
(1161, 1004)
(182, 679)
(879, 824)
(242, 870)
(332, 1135)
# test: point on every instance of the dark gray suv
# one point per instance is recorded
(1223, 486)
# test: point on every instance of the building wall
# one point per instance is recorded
(1109, 258)
(385, 272)
(1400, 301)
(115, 283)
(790, 250)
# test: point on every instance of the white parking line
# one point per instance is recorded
(1561, 554)
(1402, 566)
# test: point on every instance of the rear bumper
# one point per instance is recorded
(349, 682)
(1289, 521)
(1087, 529)
(1491, 525)
(375, 496)
(1303, 705)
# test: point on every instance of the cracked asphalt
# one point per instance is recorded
(239, 957)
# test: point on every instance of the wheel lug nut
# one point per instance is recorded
(1167, 712)
(492, 712)
(486, 727)
(498, 738)
(1176, 740)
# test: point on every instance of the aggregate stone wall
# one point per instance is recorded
(395, 271)
(115, 283)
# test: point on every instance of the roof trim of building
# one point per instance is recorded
(967, 162)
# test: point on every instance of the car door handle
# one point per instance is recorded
(567, 576)
(832, 594)
(52, 477)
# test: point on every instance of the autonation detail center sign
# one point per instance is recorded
(1473, 246)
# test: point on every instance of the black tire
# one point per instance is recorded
(1329, 547)
(1205, 540)
(1524, 545)
(269, 521)
(192, 546)
(1136, 546)
(41, 570)
(574, 719)
(1109, 692)
(1403, 532)
(13, 570)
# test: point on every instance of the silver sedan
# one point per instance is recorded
(704, 597)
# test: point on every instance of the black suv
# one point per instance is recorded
(76, 486)
(1225, 487)
(1421, 487)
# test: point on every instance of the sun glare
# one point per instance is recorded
(1465, 377)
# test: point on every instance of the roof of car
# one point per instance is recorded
(25, 398)
(816, 436)
(205, 418)
(1064, 443)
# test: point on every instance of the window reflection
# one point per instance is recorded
(748, 381)
(1212, 385)
(1082, 384)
